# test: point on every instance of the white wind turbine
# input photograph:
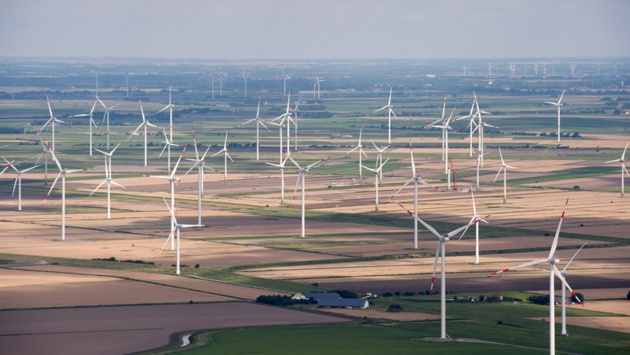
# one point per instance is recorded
(476, 218)
(445, 126)
(281, 166)
(302, 172)
(440, 251)
(245, 79)
(144, 124)
(316, 85)
(390, 112)
(558, 105)
(434, 124)
(62, 173)
(259, 122)
(51, 122)
(361, 152)
(379, 158)
(18, 179)
(90, 123)
(106, 118)
(553, 270)
(377, 171)
(416, 179)
(172, 180)
(295, 126)
(480, 125)
(503, 168)
(225, 158)
(478, 165)
(45, 153)
(9, 164)
(564, 292)
(572, 68)
(623, 167)
(170, 111)
(472, 129)
(284, 81)
(199, 164)
(168, 143)
(175, 229)
(108, 177)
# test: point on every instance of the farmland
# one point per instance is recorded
(249, 245)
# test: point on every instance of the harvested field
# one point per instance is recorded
(117, 330)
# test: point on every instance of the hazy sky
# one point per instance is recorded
(315, 28)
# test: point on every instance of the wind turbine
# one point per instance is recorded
(445, 126)
(572, 68)
(361, 152)
(390, 112)
(225, 158)
(9, 164)
(480, 125)
(478, 165)
(284, 80)
(106, 118)
(295, 127)
(431, 125)
(199, 164)
(170, 110)
(281, 166)
(176, 227)
(51, 121)
(623, 168)
(144, 124)
(108, 177)
(377, 171)
(558, 105)
(285, 116)
(45, 153)
(168, 143)
(18, 179)
(379, 158)
(470, 126)
(172, 179)
(245, 79)
(416, 179)
(553, 269)
(90, 123)
(62, 173)
(564, 292)
(302, 172)
(476, 218)
(503, 168)
(440, 251)
(259, 122)
(316, 85)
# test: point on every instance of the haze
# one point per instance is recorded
(280, 29)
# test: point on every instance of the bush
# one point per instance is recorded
(387, 294)
(395, 308)
(536, 299)
(628, 296)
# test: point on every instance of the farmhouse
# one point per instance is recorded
(334, 300)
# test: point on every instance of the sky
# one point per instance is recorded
(315, 29)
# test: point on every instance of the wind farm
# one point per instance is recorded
(233, 242)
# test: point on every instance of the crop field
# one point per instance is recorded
(249, 241)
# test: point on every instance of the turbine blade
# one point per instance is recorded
(555, 239)
(400, 189)
(566, 284)
(534, 262)
(428, 227)
(99, 185)
(573, 257)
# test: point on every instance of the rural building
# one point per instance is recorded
(322, 295)
(360, 303)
